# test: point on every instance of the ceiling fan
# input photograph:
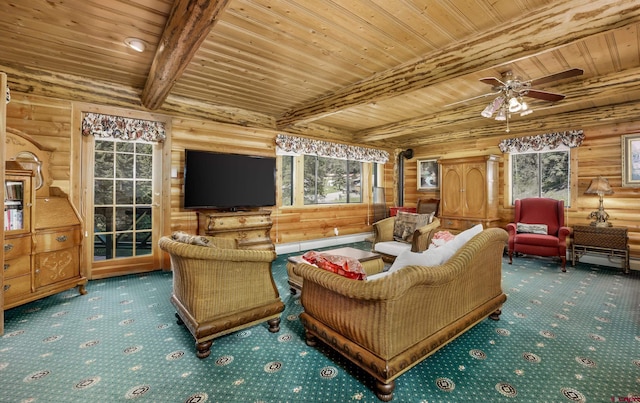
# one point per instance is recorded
(510, 90)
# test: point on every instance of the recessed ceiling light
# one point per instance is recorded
(136, 44)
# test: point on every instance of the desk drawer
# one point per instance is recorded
(56, 240)
(16, 288)
(17, 267)
(15, 247)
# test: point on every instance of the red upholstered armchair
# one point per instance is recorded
(528, 235)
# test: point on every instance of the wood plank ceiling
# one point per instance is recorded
(387, 73)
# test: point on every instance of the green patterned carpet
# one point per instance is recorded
(562, 337)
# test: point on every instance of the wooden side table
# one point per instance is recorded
(609, 241)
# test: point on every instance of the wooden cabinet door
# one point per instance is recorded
(56, 266)
(474, 192)
(18, 202)
(452, 189)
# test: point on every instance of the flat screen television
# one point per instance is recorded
(228, 181)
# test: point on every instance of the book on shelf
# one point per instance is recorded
(13, 190)
(13, 219)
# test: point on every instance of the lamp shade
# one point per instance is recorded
(599, 186)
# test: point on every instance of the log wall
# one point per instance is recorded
(600, 154)
(49, 121)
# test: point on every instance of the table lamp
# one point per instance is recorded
(599, 186)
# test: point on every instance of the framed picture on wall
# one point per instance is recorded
(428, 174)
(631, 160)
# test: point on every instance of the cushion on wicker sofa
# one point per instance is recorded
(180, 236)
(385, 245)
(393, 248)
(406, 223)
(343, 265)
(434, 255)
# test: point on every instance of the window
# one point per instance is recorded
(330, 180)
(287, 180)
(541, 174)
(312, 180)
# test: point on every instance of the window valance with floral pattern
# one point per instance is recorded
(122, 128)
(549, 141)
(291, 145)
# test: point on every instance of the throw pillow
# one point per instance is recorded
(406, 223)
(180, 236)
(342, 265)
(435, 256)
(407, 258)
(465, 236)
(442, 237)
(532, 228)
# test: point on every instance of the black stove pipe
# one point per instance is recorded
(406, 154)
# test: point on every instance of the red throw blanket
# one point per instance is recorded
(345, 266)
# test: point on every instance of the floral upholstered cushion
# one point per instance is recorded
(342, 265)
(183, 237)
(442, 237)
(532, 228)
(406, 223)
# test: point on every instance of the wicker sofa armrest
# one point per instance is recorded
(383, 230)
(422, 236)
(216, 253)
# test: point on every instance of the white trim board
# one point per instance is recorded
(600, 260)
(292, 247)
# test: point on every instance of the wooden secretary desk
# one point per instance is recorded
(42, 229)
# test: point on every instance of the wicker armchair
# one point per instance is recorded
(384, 244)
(221, 289)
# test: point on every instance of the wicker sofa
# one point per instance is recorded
(385, 244)
(221, 289)
(388, 325)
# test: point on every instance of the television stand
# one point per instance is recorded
(252, 229)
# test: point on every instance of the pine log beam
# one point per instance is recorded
(79, 89)
(188, 26)
(323, 132)
(555, 25)
(618, 113)
(593, 89)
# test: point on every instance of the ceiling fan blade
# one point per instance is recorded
(558, 76)
(544, 95)
(471, 99)
(492, 81)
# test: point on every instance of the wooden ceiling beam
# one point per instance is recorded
(591, 89)
(621, 112)
(555, 25)
(187, 27)
(64, 86)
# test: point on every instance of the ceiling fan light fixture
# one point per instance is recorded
(488, 111)
(510, 91)
(514, 105)
(136, 44)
